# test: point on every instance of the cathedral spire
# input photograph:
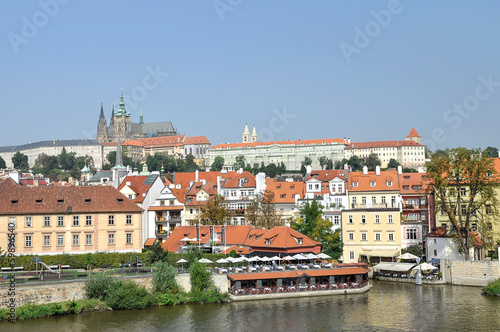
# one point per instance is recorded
(122, 110)
(141, 118)
(246, 134)
(119, 157)
(102, 112)
(255, 138)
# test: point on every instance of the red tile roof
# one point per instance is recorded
(380, 144)
(299, 142)
(413, 133)
(196, 140)
(149, 242)
(284, 192)
(412, 181)
(282, 237)
(381, 181)
(163, 141)
(298, 274)
(136, 185)
(327, 175)
(239, 250)
(16, 199)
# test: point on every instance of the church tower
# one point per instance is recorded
(121, 122)
(255, 138)
(246, 135)
(414, 136)
(102, 128)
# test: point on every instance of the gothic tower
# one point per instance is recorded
(102, 128)
(255, 138)
(121, 121)
(246, 135)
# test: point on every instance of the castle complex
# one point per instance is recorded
(120, 126)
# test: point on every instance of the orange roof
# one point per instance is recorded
(137, 185)
(166, 208)
(412, 181)
(284, 192)
(327, 175)
(150, 242)
(127, 142)
(283, 237)
(298, 274)
(413, 133)
(162, 141)
(239, 250)
(180, 194)
(299, 142)
(381, 181)
(196, 140)
(380, 144)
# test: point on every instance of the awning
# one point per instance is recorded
(380, 253)
(397, 267)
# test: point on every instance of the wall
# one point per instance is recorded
(470, 273)
(59, 292)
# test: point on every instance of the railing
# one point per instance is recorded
(297, 288)
(170, 219)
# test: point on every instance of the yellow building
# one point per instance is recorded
(371, 226)
(68, 219)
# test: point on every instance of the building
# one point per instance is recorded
(283, 241)
(53, 220)
(371, 227)
(417, 216)
(81, 148)
(409, 153)
(291, 153)
(286, 197)
(121, 126)
(440, 245)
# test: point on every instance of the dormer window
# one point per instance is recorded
(14, 201)
(268, 242)
(88, 200)
(299, 241)
(355, 184)
(389, 183)
(373, 184)
(60, 201)
(119, 200)
(38, 201)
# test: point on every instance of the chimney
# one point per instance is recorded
(196, 176)
(204, 181)
(309, 169)
(400, 169)
(240, 171)
(348, 140)
(190, 184)
(35, 182)
(365, 170)
(219, 180)
(377, 170)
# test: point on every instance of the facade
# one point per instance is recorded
(54, 220)
(286, 197)
(439, 245)
(121, 127)
(409, 153)
(81, 147)
(371, 228)
(291, 153)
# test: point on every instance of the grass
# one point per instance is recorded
(493, 288)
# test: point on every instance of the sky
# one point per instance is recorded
(366, 70)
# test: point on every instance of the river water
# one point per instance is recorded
(389, 306)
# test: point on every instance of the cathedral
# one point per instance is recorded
(120, 126)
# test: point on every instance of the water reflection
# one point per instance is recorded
(387, 307)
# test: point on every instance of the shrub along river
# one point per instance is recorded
(389, 306)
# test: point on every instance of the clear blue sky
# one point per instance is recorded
(246, 60)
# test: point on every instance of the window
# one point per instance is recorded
(171, 202)
(88, 220)
(377, 237)
(389, 219)
(389, 183)
(28, 223)
(363, 219)
(76, 221)
(372, 183)
(377, 218)
(363, 200)
(129, 238)
(111, 238)
(76, 239)
(27, 241)
(354, 200)
(268, 242)
(162, 203)
(488, 209)
(12, 222)
(299, 241)
(490, 226)
(363, 236)
(463, 209)
(46, 240)
(393, 201)
(336, 220)
(383, 199)
(350, 219)
(355, 184)
(463, 192)
(128, 219)
(411, 233)
(88, 239)
(435, 252)
(374, 200)
(46, 221)
(351, 255)
(60, 240)
(60, 221)
(111, 220)
(391, 236)
(351, 236)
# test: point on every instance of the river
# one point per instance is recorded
(387, 307)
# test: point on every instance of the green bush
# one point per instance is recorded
(56, 309)
(164, 278)
(31, 310)
(4, 314)
(128, 295)
(98, 287)
(172, 299)
(90, 305)
(201, 279)
(493, 288)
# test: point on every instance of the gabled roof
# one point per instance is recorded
(196, 140)
(180, 194)
(16, 199)
(296, 143)
(239, 250)
(413, 180)
(162, 141)
(413, 133)
(283, 237)
(327, 175)
(139, 185)
(284, 192)
(380, 144)
(364, 180)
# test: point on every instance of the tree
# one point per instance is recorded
(215, 212)
(491, 152)
(3, 165)
(217, 164)
(164, 278)
(261, 213)
(416, 249)
(67, 160)
(371, 161)
(464, 183)
(201, 279)
(312, 224)
(393, 163)
(271, 170)
(281, 168)
(240, 162)
(157, 253)
(20, 161)
(339, 164)
(191, 166)
(307, 161)
(322, 161)
(355, 163)
(329, 164)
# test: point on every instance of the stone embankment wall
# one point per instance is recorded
(470, 273)
(66, 291)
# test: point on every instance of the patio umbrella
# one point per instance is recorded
(323, 256)
(289, 258)
(300, 257)
(425, 267)
(275, 258)
(182, 261)
(311, 256)
(265, 259)
(407, 256)
(186, 239)
(222, 261)
(205, 261)
(254, 259)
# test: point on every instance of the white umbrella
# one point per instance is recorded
(323, 256)
(300, 257)
(275, 258)
(289, 258)
(254, 259)
(311, 256)
(193, 239)
(243, 258)
(186, 239)
(425, 267)
(182, 261)
(222, 261)
(407, 256)
(265, 259)
(205, 261)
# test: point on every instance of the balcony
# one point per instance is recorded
(371, 206)
(169, 219)
(162, 233)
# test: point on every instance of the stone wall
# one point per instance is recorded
(470, 273)
(66, 291)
